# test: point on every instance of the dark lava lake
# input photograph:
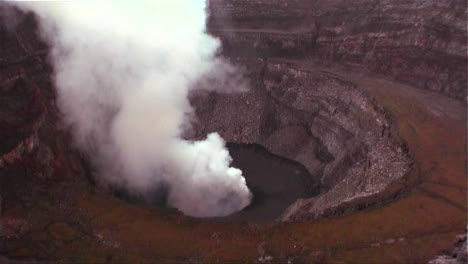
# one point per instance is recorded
(276, 183)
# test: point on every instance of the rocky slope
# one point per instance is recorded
(65, 219)
(32, 139)
(419, 42)
(345, 140)
(459, 254)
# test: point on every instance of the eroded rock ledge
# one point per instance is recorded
(420, 42)
(345, 140)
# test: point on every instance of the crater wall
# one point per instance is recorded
(343, 138)
(419, 42)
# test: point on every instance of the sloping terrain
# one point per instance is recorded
(50, 209)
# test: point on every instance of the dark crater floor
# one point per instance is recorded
(275, 181)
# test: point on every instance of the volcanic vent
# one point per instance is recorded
(310, 145)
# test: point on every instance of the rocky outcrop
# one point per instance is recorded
(459, 254)
(419, 42)
(343, 138)
(30, 125)
(22, 73)
(19, 115)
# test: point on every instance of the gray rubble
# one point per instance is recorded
(344, 139)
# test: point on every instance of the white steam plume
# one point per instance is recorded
(123, 71)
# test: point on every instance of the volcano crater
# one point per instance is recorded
(346, 142)
(310, 145)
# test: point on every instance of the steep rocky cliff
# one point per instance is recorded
(419, 42)
(32, 138)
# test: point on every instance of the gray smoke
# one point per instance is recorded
(123, 71)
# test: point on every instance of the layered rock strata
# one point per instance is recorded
(419, 42)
